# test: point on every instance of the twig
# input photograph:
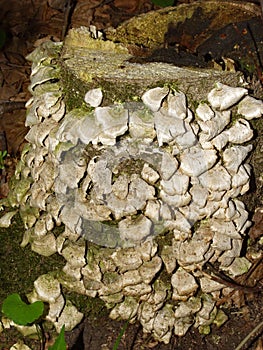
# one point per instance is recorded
(229, 282)
(249, 336)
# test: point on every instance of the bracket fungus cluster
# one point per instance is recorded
(148, 192)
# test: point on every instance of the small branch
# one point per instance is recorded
(250, 334)
(229, 282)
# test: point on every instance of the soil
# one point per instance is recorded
(24, 25)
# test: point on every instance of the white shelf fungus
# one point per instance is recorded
(124, 174)
(94, 97)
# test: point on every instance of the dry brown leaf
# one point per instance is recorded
(257, 229)
(128, 6)
(259, 345)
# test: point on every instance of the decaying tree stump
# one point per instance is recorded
(144, 164)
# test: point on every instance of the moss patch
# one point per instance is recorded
(75, 88)
(89, 306)
(20, 267)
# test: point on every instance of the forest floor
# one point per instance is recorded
(24, 25)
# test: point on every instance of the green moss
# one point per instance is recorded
(89, 306)
(75, 88)
(164, 239)
(19, 266)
